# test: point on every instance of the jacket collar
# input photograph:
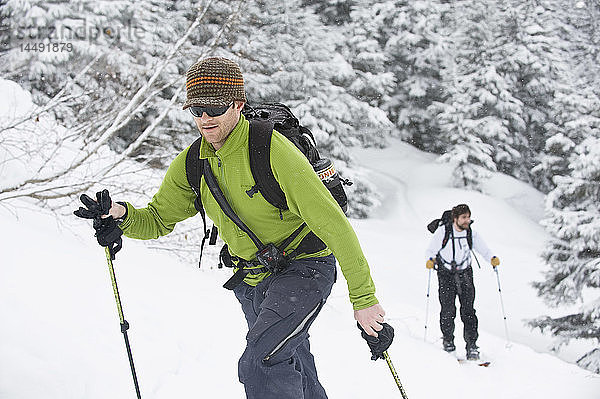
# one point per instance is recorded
(236, 139)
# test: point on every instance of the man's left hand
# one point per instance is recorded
(370, 319)
(381, 343)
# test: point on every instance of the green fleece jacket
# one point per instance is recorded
(308, 200)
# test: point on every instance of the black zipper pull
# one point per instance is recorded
(280, 214)
(252, 191)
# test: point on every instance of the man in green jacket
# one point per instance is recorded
(279, 306)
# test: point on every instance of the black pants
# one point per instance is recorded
(452, 284)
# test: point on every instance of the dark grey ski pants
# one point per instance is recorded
(277, 363)
(452, 285)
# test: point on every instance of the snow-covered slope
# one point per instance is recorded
(60, 334)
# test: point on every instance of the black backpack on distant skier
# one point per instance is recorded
(446, 221)
(263, 119)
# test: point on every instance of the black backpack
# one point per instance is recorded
(263, 119)
(446, 221)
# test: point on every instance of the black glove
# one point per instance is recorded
(108, 232)
(378, 344)
(94, 209)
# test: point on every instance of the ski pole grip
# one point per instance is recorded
(378, 345)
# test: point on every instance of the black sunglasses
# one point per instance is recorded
(210, 111)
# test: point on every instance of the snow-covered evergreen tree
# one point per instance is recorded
(570, 168)
(400, 46)
(480, 113)
(573, 254)
(581, 29)
(306, 72)
(467, 154)
(523, 52)
(332, 12)
(576, 118)
(577, 96)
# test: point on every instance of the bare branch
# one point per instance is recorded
(124, 115)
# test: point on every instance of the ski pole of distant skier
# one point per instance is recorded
(502, 306)
(393, 370)
(427, 305)
(477, 260)
(124, 323)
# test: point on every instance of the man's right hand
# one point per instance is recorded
(117, 211)
(102, 207)
(94, 209)
(103, 211)
(430, 263)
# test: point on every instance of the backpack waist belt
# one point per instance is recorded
(454, 265)
(309, 244)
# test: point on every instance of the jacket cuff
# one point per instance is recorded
(124, 221)
(364, 302)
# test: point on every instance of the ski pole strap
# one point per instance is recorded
(215, 190)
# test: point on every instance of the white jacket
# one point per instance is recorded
(462, 254)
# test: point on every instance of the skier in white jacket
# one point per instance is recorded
(451, 252)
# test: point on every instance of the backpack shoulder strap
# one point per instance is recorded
(260, 164)
(213, 186)
(470, 238)
(447, 231)
(193, 172)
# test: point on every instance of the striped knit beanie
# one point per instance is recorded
(214, 82)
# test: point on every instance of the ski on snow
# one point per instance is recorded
(477, 362)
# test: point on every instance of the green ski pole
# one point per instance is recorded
(124, 323)
(393, 370)
(379, 345)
